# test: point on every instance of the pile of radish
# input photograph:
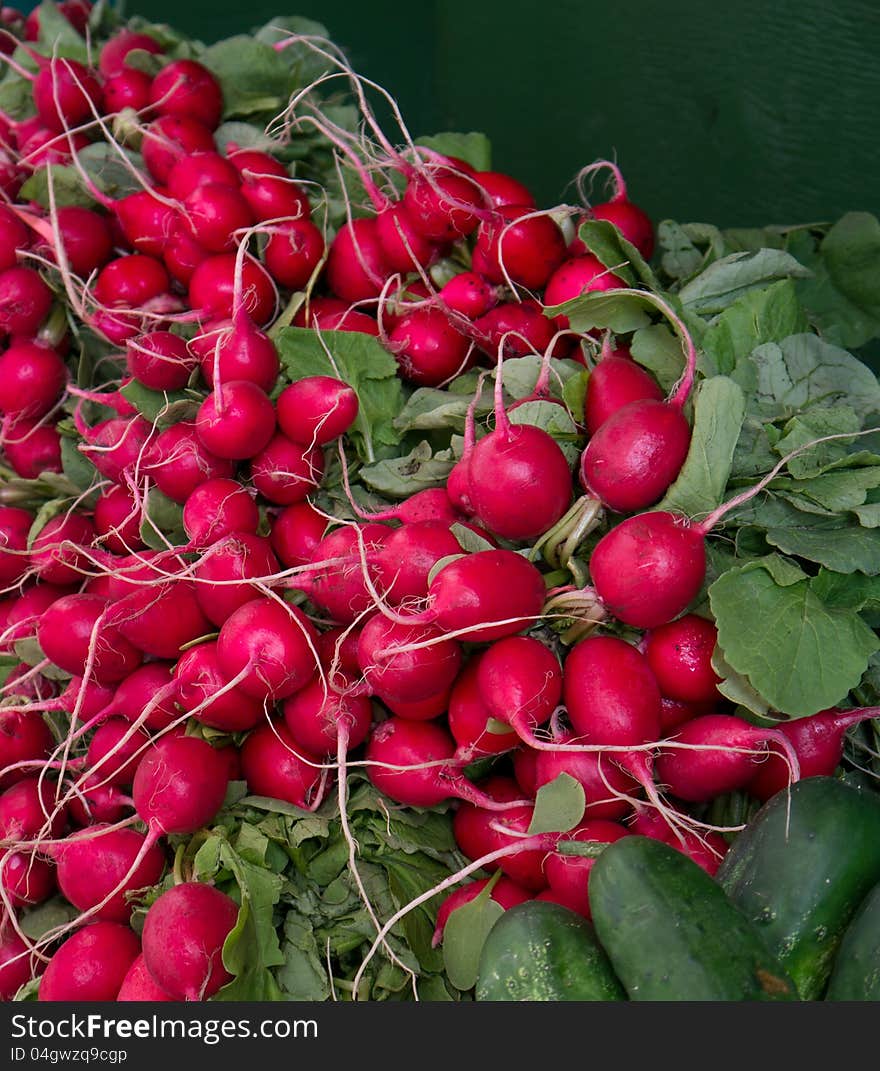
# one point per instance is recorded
(336, 474)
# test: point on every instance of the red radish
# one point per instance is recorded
(404, 247)
(129, 89)
(187, 88)
(25, 301)
(217, 508)
(200, 683)
(212, 287)
(146, 221)
(160, 360)
(24, 738)
(75, 632)
(469, 294)
(520, 681)
(267, 187)
(604, 781)
(337, 648)
(56, 551)
(160, 618)
(86, 237)
(223, 574)
(504, 189)
(613, 383)
(407, 663)
(407, 556)
(525, 251)
(569, 875)
(274, 765)
(193, 171)
(724, 759)
(179, 785)
(420, 709)
(15, 963)
(114, 53)
(632, 222)
(88, 698)
(237, 349)
(214, 213)
(579, 275)
(286, 472)
(114, 753)
(514, 329)
(504, 892)
(178, 461)
(432, 504)
(472, 824)
(269, 647)
(27, 807)
(313, 714)
(316, 410)
(116, 446)
(428, 348)
(117, 521)
(674, 712)
(91, 964)
(139, 984)
(680, 656)
(293, 251)
(525, 769)
(356, 266)
(345, 320)
(131, 281)
(339, 586)
(296, 532)
(171, 138)
(101, 862)
(818, 743)
(706, 848)
(65, 94)
(182, 255)
(470, 718)
(442, 205)
(183, 938)
(236, 421)
(32, 379)
(15, 525)
(148, 691)
(26, 878)
(14, 235)
(32, 448)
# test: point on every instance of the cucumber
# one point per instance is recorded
(671, 933)
(539, 950)
(801, 868)
(856, 971)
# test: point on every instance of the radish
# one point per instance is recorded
(316, 410)
(239, 557)
(404, 247)
(442, 204)
(237, 349)
(114, 53)
(179, 786)
(408, 554)
(101, 862)
(139, 984)
(14, 236)
(275, 766)
(236, 421)
(32, 448)
(514, 329)
(26, 807)
(214, 212)
(469, 294)
(129, 89)
(504, 189)
(117, 521)
(179, 461)
(313, 714)
(407, 663)
(469, 719)
(146, 693)
(519, 246)
(32, 379)
(183, 938)
(115, 446)
(818, 743)
(675, 712)
(680, 656)
(613, 383)
(170, 138)
(269, 647)
(212, 287)
(15, 963)
(204, 691)
(426, 709)
(286, 472)
(356, 268)
(25, 612)
(187, 88)
(632, 222)
(218, 508)
(339, 585)
(115, 752)
(56, 551)
(520, 682)
(15, 525)
(86, 237)
(569, 875)
(159, 616)
(193, 171)
(26, 879)
(146, 221)
(525, 769)
(293, 252)
(75, 632)
(428, 348)
(130, 281)
(504, 892)
(337, 650)
(296, 532)
(90, 965)
(24, 738)
(106, 804)
(65, 93)
(727, 750)
(605, 782)
(267, 186)
(160, 360)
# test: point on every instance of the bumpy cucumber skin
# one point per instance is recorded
(670, 932)
(801, 868)
(856, 972)
(539, 950)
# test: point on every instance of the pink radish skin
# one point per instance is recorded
(145, 221)
(469, 294)
(313, 714)
(160, 360)
(674, 712)
(24, 738)
(91, 866)
(212, 289)
(185, 87)
(286, 472)
(339, 588)
(601, 778)
(818, 743)
(576, 276)
(214, 212)
(14, 235)
(179, 785)
(630, 220)
(316, 410)
(471, 824)
(722, 762)
(680, 656)
(105, 804)
(649, 568)
(337, 649)
(139, 984)
(468, 718)
(117, 521)
(218, 508)
(25, 301)
(14, 527)
(407, 556)
(27, 879)
(91, 964)
(514, 329)
(171, 138)
(160, 617)
(420, 709)
(56, 556)
(395, 666)
(276, 767)
(130, 89)
(183, 937)
(179, 462)
(505, 189)
(428, 348)
(240, 351)
(356, 267)
(199, 679)
(267, 187)
(504, 892)
(296, 532)
(116, 446)
(569, 875)
(65, 92)
(614, 383)
(525, 769)
(236, 421)
(32, 448)
(239, 557)
(65, 636)
(271, 645)
(15, 966)
(706, 848)
(32, 379)
(527, 251)
(131, 281)
(25, 808)
(520, 681)
(294, 250)
(115, 752)
(86, 237)
(26, 610)
(192, 172)
(404, 248)
(442, 207)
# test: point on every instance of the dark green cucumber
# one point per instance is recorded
(856, 971)
(543, 951)
(801, 868)
(672, 934)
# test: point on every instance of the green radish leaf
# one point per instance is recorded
(243, 136)
(253, 76)
(430, 409)
(57, 35)
(851, 251)
(574, 393)
(165, 515)
(735, 687)
(474, 148)
(521, 374)
(75, 465)
(302, 976)
(679, 255)
(622, 258)
(852, 591)
(45, 514)
(400, 477)
(833, 491)
(799, 654)
(559, 805)
(441, 564)
(109, 172)
(719, 410)
(657, 349)
(621, 313)
(469, 540)
(847, 549)
(152, 404)
(728, 279)
(46, 916)
(465, 934)
(66, 183)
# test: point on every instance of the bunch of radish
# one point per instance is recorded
(283, 645)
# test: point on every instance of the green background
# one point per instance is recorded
(738, 114)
